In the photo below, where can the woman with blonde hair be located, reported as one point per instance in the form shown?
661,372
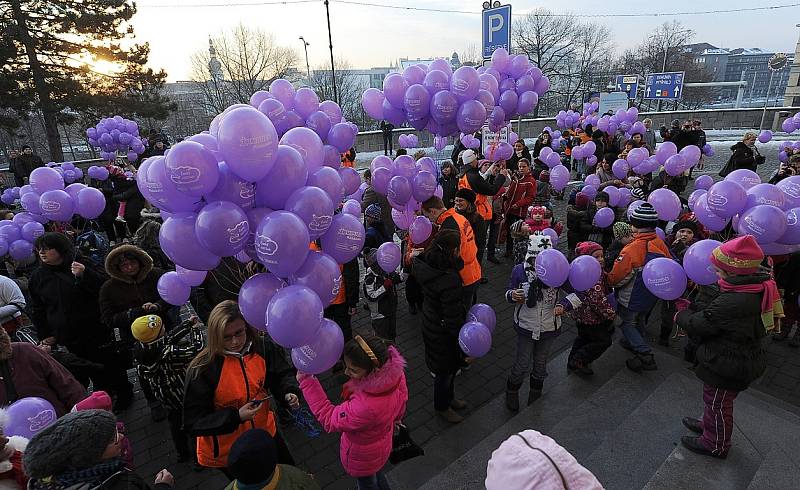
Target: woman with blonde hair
231,386
744,154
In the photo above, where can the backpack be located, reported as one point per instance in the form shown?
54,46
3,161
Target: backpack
93,247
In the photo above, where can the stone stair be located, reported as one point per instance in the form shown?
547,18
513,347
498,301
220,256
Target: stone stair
625,428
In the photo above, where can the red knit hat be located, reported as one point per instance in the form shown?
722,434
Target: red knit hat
581,200
742,255
587,248
98,400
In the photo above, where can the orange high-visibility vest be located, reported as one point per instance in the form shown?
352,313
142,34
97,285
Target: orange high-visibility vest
481,201
471,272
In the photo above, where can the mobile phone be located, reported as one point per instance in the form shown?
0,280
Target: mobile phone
258,401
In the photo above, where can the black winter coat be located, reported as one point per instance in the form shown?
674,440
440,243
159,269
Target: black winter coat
513,162
746,157
67,308
588,229
575,233
729,334
443,315
449,188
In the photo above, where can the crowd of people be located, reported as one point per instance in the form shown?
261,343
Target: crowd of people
95,312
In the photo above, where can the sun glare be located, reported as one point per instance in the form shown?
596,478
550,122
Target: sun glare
105,67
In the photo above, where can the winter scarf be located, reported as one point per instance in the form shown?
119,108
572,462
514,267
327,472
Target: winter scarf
97,473
771,306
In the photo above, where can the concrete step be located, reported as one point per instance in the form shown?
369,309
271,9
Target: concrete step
778,470
468,468
644,439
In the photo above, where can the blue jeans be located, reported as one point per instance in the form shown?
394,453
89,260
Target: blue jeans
531,358
633,329
373,482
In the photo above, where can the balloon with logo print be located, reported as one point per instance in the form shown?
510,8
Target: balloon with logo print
281,242
321,274
665,278
697,262
323,352
475,339
28,416
254,296
345,238
482,313
313,207
552,268
293,316
222,228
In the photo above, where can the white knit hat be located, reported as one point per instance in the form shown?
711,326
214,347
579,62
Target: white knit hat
469,156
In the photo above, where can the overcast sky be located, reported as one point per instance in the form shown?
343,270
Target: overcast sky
373,36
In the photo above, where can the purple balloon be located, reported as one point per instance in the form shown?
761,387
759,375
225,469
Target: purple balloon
306,102
233,188
470,116
323,352
420,229
308,144
286,176
404,166
423,186
790,187
344,240
526,102
590,191
254,296
380,180
192,168
665,150
665,278
31,231
321,274
89,203
281,242
666,203
329,181
552,267
56,205
604,217
675,165
613,195
695,195
559,177
703,182
332,110
389,257
342,137
320,123
10,232
697,262
20,250
792,234
443,107
293,316
744,177
314,207
584,272
45,179
350,179
172,289
402,218
190,277
248,141
394,89
28,416
726,198
372,101
707,217
416,101
352,207
475,339
399,190
465,83
484,314
765,136
222,228
179,242
436,81
765,194
766,223
508,102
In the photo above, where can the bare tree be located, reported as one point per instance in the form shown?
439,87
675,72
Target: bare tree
238,63
471,55
349,86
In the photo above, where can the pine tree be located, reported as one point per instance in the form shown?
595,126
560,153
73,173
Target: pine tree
53,46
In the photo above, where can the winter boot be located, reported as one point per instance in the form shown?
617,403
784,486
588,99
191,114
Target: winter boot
693,424
694,445
450,416
536,390
642,362
512,396
579,367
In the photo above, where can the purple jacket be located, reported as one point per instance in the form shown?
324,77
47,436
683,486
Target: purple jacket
367,416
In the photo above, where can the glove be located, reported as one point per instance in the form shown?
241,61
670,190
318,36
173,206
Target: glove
387,283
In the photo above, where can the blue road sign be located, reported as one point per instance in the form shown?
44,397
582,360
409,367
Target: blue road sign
496,30
628,84
664,86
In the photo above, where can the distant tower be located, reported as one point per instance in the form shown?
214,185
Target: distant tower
214,66
455,62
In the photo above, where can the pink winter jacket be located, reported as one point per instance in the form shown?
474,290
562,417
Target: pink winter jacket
367,416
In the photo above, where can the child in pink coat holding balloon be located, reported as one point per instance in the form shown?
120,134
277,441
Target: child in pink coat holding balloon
374,401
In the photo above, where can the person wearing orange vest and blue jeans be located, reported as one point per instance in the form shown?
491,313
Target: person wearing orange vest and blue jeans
233,385
473,180
449,219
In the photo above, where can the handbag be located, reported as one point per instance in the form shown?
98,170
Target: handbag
727,168
403,447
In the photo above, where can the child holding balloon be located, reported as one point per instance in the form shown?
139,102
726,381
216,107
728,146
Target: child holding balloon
535,323
380,291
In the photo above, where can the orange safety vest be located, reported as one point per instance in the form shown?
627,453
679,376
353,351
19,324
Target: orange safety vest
481,201
341,296
471,272
241,380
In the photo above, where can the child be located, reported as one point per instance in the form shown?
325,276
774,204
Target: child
593,314
379,287
253,462
375,229
682,237
543,190
100,400
162,361
730,331
603,236
623,235
575,214
374,403
534,321
12,475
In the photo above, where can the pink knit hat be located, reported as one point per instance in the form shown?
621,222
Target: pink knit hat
521,463
98,400
742,255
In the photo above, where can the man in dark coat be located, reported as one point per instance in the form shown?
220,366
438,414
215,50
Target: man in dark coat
387,128
25,164
13,155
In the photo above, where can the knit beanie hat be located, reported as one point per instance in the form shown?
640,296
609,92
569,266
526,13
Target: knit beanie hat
75,441
253,457
544,176
374,211
530,460
621,230
637,193
742,255
587,248
467,194
581,200
468,156
681,225
516,227
644,216
99,400
147,328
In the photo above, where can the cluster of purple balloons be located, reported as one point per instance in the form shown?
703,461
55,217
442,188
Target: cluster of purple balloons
408,141
624,120
97,173
791,124
287,108
116,134
260,189
782,155
475,336
405,183
553,269
446,102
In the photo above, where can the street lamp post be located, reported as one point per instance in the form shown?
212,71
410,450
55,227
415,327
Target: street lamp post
330,46
305,47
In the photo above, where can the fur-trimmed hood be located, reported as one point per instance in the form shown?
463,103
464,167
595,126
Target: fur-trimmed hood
114,257
383,379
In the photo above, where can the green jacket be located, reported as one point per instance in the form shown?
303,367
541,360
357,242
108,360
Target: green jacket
285,477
